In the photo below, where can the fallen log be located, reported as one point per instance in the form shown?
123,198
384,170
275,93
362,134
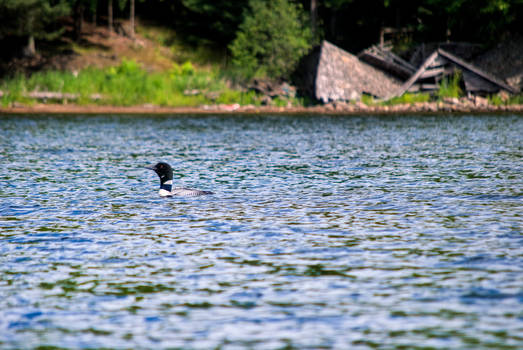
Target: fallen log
50,95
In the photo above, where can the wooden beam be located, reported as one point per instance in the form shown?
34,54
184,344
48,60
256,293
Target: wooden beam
464,65
428,87
440,58
430,73
388,66
415,76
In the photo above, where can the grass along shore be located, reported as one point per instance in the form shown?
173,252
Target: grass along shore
124,85
128,84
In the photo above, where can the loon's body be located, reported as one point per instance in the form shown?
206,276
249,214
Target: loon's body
165,173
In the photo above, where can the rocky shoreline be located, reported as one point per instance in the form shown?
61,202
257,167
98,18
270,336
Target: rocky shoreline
448,106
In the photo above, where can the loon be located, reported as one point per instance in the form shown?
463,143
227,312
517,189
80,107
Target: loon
165,172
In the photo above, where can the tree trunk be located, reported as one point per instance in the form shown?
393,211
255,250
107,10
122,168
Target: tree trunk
314,17
30,49
110,15
94,9
131,31
78,19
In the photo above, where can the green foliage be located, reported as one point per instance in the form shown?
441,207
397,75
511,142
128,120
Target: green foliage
516,100
180,51
409,98
187,68
31,17
367,99
272,38
211,19
500,100
127,84
496,100
450,87
481,21
236,96
280,102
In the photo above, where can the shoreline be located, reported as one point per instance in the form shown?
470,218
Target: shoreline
328,109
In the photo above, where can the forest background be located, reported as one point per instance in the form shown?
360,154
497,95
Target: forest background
218,46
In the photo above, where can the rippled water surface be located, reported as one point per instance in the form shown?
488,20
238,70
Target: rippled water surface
324,233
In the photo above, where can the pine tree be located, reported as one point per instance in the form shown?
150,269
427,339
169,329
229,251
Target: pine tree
31,19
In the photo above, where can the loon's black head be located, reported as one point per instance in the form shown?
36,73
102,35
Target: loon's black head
163,170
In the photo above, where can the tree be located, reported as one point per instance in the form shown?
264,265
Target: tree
121,6
271,40
78,13
213,20
78,7
110,16
131,19
472,20
33,19
314,17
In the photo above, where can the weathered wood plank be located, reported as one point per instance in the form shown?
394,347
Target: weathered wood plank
388,66
51,95
415,76
388,61
474,83
423,87
428,87
464,65
432,72
441,62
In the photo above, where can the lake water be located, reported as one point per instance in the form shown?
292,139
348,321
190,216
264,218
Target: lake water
325,232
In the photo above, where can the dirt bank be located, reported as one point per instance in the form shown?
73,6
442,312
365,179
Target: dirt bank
450,106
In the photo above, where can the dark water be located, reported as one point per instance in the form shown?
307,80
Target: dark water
324,233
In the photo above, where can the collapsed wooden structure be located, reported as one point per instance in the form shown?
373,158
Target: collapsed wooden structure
333,74
386,60
443,64
340,76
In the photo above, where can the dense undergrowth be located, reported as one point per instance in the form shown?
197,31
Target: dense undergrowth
128,84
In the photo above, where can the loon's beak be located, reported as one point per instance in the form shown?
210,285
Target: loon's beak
150,167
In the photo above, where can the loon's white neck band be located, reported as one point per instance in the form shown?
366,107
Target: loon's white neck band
167,185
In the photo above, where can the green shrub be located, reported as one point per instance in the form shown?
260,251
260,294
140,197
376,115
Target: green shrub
516,100
187,68
497,100
408,98
271,40
280,102
450,87
129,68
367,99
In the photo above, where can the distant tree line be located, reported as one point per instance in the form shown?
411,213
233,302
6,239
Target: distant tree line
269,36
